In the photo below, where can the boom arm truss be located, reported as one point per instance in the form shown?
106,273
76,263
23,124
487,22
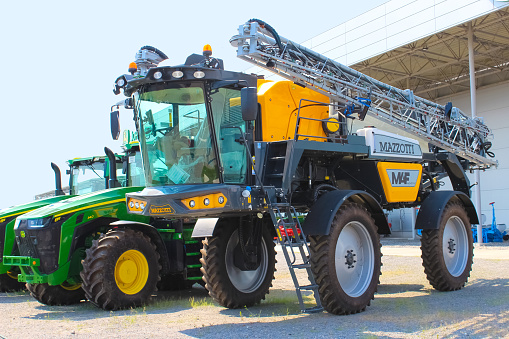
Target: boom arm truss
441,125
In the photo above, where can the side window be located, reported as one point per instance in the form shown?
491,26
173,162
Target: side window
227,121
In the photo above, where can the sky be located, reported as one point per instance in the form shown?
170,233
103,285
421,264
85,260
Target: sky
59,60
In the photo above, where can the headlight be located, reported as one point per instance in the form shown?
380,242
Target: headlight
35,223
135,205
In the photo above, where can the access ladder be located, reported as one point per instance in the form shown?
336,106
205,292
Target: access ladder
443,126
284,216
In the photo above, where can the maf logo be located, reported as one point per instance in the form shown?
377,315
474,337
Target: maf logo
403,178
164,209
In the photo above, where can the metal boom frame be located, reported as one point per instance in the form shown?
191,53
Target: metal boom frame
441,125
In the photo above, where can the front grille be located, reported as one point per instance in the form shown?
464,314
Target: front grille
42,243
3,227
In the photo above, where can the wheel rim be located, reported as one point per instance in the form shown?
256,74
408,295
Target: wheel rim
245,281
70,287
12,275
131,272
455,246
354,259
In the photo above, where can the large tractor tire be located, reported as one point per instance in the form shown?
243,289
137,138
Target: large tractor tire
9,282
447,252
230,286
346,263
120,270
59,295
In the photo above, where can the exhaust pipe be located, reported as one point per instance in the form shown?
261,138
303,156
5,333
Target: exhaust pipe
58,180
113,182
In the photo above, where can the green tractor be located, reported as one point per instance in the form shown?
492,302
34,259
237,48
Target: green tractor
80,182
51,240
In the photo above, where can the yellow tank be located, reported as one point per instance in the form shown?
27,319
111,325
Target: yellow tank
279,101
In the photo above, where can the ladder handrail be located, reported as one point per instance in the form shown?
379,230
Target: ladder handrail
441,125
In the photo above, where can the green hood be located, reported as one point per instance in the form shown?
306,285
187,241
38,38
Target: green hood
82,202
23,208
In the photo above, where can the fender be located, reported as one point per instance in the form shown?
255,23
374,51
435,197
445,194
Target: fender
153,234
433,206
319,219
204,227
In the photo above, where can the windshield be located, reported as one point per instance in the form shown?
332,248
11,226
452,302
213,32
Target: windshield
135,172
175,136
86,178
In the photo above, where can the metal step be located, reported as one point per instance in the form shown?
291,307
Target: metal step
276,212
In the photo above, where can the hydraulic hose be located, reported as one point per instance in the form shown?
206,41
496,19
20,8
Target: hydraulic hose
155,50
271,31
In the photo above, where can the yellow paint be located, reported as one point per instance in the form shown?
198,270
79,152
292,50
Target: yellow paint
131,272
398,194
90,217
57,219
17,213
22,233
279,101
200,201
131,205
69,287
90,206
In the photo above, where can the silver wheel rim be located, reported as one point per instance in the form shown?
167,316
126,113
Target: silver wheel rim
354,259
455,246
245,281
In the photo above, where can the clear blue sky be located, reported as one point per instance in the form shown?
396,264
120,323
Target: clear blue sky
59,60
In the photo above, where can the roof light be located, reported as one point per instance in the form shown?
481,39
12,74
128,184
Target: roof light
177,74
206,201
199,74
121,82
158,75
192,204
220,199
207,50
133,67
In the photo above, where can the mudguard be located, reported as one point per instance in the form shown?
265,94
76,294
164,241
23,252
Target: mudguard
433,206
319,219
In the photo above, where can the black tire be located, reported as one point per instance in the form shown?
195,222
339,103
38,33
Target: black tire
174,282
350,290
59,295
228,285
9,282
447,253
114,255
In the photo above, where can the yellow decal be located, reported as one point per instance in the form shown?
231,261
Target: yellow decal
400,181
90,217
165,209
3,220
57,219
22,233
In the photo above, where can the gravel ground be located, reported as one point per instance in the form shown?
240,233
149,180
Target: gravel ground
406,306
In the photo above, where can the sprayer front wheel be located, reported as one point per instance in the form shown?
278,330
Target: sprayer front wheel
230,286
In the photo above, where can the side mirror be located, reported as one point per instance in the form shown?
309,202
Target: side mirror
249,103
115,124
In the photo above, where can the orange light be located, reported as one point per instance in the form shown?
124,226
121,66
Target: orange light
133,67
207,50
34,263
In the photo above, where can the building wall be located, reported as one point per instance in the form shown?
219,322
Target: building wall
493,106
393,24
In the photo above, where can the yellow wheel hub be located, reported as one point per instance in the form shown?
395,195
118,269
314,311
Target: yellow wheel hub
131,272
70,287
